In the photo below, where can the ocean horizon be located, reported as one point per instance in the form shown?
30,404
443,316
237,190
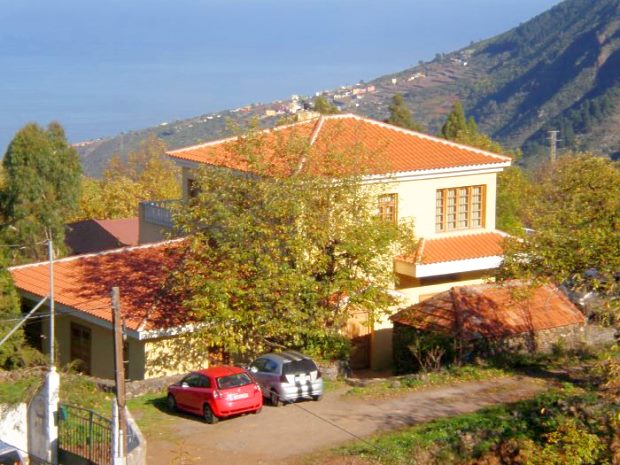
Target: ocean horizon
109,67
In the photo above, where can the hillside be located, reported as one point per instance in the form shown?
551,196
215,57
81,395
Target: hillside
560,70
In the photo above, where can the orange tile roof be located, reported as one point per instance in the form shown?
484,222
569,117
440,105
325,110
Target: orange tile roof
454,248
84,283
384,148
492,311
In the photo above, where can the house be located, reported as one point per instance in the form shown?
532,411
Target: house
447,189
491,317
91,236
157,328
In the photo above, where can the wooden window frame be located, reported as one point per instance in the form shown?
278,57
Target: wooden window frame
441,220
384,205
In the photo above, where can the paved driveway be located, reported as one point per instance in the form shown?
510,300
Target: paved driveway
281,435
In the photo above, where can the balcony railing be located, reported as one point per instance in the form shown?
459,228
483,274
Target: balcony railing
159,212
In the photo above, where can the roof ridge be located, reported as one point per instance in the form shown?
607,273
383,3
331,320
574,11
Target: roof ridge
421,135
96,254
233,138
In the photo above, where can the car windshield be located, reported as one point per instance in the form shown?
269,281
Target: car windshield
233,381
298,366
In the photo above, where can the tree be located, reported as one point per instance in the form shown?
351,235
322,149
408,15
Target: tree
41,191
573,213
401,116
11,354
321,105
276,256
146,175
512,184
459,128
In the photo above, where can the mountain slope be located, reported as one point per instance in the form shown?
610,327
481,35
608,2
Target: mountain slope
560,70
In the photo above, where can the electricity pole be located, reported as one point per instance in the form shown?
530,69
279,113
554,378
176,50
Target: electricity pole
553,143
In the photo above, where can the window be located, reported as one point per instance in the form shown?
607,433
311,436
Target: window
80,347
193,380
388,207
459,208
192,188
233,381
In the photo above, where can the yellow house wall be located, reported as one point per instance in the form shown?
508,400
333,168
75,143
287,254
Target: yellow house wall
174,355
416,199
101,349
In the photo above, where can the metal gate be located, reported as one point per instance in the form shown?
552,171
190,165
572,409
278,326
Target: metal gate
84,437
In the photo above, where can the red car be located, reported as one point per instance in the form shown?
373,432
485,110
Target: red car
216,392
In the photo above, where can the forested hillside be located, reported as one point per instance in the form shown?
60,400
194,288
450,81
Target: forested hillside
560,70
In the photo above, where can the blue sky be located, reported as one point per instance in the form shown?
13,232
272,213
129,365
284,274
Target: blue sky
108,66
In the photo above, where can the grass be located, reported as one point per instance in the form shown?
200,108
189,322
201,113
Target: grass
151,413
19,390
78,390
409,383
474,435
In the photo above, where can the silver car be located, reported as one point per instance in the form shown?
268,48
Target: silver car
287,376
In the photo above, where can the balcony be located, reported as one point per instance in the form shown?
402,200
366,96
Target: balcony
158,212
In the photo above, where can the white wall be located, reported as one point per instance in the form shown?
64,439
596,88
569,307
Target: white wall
14,425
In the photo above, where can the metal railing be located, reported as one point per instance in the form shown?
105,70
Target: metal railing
84,433
158,212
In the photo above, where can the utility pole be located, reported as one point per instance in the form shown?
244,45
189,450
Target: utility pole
553,143
52,384
50,251
119,375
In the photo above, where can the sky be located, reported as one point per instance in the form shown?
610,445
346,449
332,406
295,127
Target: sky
102,67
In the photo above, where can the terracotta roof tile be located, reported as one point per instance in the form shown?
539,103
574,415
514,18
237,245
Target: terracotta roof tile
388,149
492,311
84,283
454,248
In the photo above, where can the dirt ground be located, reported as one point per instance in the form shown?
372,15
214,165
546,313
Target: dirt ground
283,435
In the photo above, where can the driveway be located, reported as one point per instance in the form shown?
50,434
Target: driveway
281,435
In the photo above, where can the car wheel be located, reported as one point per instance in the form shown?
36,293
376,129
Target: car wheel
258,410
172,404
208,415
274,397
317,397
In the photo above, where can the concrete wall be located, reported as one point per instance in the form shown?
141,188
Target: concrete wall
173,355
150,233
14,425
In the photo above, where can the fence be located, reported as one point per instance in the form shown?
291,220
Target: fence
84,436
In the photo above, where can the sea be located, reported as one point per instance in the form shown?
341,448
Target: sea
107,66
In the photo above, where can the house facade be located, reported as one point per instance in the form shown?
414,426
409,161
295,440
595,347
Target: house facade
447,189
157,329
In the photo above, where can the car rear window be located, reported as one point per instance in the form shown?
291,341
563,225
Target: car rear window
298,366
233,381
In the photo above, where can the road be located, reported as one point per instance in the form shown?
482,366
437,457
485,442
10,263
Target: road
282,435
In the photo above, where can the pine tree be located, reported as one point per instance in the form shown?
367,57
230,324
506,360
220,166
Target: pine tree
42,188
456,123
401,116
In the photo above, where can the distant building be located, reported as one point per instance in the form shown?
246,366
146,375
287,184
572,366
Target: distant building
91,236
